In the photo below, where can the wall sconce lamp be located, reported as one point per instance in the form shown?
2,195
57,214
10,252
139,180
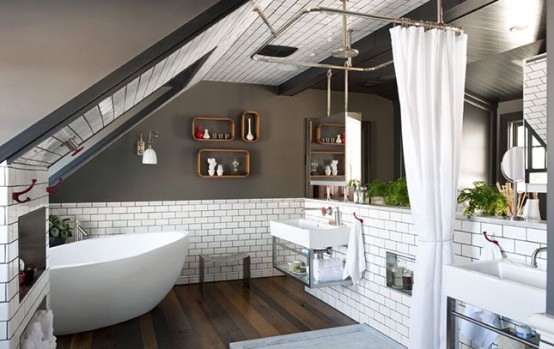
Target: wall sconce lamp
148,154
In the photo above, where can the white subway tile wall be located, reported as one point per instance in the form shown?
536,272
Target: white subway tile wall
534,94
15,315
216,227
392,229
230,226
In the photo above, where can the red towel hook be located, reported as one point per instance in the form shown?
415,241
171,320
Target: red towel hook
489,239
55,188
16,195
358,218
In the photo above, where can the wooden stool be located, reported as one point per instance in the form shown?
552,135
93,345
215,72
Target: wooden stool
224,259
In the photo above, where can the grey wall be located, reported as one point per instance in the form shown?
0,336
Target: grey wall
53,50
277,160
475,159
510,106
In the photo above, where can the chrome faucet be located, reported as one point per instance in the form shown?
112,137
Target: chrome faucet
535,254
328,211
80,233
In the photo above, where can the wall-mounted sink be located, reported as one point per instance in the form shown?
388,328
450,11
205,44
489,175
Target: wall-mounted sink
504,287
310,234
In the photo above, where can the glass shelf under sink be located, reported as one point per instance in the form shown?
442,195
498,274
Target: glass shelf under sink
285,251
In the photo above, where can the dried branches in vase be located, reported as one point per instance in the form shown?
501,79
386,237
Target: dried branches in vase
508,193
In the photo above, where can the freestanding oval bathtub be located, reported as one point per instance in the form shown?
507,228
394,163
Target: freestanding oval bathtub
100,282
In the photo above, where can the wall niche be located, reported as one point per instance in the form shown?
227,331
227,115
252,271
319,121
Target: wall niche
32,248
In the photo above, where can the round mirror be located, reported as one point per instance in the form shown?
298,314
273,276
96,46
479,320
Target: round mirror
513,164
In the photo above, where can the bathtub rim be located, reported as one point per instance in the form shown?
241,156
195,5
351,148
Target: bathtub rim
184,235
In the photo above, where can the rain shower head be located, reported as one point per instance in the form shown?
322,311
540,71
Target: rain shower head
345,52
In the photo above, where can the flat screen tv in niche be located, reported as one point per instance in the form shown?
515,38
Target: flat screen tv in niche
32,245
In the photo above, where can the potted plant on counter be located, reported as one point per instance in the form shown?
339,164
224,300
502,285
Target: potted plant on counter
59,230
376,191
483,198
397,193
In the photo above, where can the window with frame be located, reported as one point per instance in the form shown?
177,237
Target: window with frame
521,135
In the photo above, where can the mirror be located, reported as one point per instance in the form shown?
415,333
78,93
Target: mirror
333,154
353,146
513,164
535,121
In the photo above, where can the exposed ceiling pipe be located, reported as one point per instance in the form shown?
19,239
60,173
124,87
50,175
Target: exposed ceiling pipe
397,20
329,76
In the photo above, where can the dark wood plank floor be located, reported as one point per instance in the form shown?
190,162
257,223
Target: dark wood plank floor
226,312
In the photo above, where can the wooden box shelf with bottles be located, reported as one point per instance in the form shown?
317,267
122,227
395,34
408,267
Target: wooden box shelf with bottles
213,129
330,134
223,163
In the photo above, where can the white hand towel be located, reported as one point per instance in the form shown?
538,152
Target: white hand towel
328,269
480,337
491,251
355,255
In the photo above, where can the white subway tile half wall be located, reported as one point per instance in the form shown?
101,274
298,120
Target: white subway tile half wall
216,227
15,314
230,226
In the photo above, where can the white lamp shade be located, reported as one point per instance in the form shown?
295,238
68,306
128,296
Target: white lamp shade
149,157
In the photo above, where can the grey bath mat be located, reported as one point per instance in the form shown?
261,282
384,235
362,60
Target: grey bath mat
351,337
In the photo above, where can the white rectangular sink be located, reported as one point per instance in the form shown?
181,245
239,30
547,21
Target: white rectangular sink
310,234
504,287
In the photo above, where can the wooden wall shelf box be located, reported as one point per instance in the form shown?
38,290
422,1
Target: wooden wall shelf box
255,126
221,126
225,157
326,130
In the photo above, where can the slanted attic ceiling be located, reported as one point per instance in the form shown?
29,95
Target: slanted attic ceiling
217,45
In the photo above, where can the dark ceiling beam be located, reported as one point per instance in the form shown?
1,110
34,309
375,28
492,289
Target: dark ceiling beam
174,86
378,43
83,102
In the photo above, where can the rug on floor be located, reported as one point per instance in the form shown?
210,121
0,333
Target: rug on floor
350,337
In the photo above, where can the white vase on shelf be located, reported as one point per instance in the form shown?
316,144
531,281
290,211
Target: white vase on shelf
220,170
327,170
250,136
206,134
531,210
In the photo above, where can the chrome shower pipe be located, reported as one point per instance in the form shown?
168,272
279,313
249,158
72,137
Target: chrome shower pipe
396,20
329,75
267,59
266,21
440,18
345,40
276,33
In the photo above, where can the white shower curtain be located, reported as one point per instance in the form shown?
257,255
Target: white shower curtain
430,71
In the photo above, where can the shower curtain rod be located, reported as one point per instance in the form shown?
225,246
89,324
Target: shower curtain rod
396,20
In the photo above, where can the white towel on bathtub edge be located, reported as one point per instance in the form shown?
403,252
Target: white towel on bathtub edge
355,254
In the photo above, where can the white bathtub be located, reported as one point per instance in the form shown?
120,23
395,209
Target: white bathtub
101,282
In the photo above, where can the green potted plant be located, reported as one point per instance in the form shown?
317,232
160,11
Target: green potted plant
376,191
397,193
483,198
59,230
